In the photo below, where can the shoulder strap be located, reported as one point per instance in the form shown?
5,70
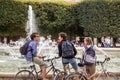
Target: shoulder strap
87,48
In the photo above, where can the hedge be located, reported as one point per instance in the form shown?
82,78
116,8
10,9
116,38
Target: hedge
98,17
13,16
93,18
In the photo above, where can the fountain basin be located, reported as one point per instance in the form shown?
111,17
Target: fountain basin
10,76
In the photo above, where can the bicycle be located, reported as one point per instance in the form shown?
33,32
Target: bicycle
102,74
61,75
30,73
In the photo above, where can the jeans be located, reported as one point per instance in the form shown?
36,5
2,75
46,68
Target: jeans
72,61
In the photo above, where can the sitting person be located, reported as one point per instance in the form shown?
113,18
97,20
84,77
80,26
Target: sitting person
32,54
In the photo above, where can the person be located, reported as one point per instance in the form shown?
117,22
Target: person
33,56
66,60
102,41
11,43
90,69
107,42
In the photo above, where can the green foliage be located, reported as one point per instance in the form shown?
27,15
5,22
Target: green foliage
97,18
13,17
53,18
93,18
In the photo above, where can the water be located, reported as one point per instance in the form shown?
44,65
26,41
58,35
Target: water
31,23
10,64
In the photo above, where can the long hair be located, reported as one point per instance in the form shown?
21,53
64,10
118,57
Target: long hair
89,40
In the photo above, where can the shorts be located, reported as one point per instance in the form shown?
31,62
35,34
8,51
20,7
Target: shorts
39,62
90,69
72,61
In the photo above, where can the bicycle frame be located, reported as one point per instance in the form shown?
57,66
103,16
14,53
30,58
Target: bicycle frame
52,67
100,72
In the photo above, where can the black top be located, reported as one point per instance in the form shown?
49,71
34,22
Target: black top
60,50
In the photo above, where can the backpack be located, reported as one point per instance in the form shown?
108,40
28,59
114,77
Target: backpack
23,50
67,49
89,58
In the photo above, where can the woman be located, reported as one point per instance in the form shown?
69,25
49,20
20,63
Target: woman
90,69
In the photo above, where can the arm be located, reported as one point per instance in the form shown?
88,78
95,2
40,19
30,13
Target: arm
60,49
101,51
75,51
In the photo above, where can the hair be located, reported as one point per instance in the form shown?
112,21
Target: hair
88,40
63,35
33,35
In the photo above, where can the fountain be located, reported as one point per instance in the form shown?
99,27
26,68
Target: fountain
31,23
30,28
50,51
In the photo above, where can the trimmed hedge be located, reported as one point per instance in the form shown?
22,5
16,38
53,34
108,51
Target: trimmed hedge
13,16
93,18
98,18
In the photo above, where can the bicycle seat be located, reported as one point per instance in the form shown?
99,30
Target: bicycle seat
80,64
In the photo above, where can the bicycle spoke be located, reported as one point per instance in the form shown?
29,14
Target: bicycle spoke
60,76
75,76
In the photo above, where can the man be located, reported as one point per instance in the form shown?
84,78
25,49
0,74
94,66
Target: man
62,37
32,54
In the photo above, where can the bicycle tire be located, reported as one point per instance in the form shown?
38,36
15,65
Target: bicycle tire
73,76
107,76
24,75
60,76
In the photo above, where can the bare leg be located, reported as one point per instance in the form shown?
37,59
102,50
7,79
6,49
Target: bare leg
77,77
65,69
43,72
93,78
76,71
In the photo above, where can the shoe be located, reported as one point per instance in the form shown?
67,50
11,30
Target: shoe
40,79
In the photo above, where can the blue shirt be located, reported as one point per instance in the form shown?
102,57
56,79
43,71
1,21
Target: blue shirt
32,50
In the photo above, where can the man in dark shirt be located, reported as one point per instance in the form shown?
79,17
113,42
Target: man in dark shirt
66,60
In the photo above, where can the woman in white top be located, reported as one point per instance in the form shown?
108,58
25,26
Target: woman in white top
90,69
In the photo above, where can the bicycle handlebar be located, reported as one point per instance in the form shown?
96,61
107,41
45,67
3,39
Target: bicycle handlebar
51,59
101,62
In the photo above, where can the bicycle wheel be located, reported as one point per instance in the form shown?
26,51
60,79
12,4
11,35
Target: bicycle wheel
75,76
24,75
107,76
60,76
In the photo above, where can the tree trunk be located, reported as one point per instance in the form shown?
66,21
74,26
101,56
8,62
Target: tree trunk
95,41
114,42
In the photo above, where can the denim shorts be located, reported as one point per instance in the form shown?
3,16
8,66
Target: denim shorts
72,61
